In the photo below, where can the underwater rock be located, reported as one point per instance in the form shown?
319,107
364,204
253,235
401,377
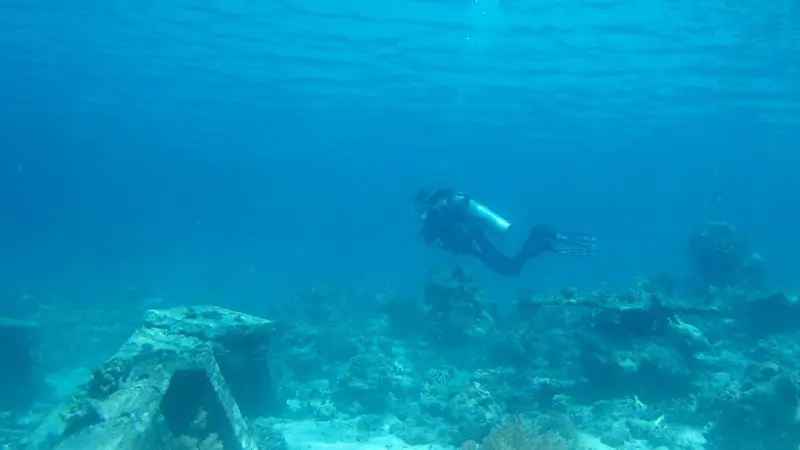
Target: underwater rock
757,413
770,314
636,313
617,436
180,381
18,344
241,347
646,369
458,311
302,349
370,381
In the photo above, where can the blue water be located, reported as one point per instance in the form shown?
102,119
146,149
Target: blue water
231,151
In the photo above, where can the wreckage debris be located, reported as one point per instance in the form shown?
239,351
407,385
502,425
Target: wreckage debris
186,379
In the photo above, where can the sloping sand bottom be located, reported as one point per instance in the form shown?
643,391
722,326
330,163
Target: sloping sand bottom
343,435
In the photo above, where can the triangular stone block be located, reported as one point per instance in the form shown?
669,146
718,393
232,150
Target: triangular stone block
167,388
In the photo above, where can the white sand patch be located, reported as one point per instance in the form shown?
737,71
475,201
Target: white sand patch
589,442
691,438
342,435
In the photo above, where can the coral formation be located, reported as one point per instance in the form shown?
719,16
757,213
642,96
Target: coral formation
518,434
642,367
722,257
646,368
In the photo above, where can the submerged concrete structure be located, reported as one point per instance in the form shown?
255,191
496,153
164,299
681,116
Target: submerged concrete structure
186,379
20,374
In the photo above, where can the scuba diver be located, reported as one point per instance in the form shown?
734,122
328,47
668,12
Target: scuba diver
457,223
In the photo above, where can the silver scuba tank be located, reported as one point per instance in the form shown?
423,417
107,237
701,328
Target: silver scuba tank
487,218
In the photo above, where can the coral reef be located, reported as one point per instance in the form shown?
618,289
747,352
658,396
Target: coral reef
636,368
518,434
645,368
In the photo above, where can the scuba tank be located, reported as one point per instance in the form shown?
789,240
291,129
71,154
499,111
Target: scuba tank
485,217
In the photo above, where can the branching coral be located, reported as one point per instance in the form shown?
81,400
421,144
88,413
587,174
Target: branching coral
518,434
211,442
199,437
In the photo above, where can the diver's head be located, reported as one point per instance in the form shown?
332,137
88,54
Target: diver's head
422,200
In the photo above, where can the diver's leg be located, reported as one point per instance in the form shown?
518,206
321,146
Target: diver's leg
494,259
540,240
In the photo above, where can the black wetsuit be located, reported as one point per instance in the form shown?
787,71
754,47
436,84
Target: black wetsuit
447,223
